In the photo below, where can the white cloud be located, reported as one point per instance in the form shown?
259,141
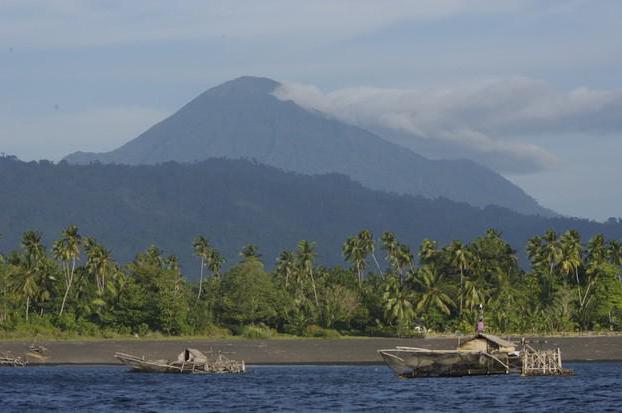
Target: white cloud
488,121
53,136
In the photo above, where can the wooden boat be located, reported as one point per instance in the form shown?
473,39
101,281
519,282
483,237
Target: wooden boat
190,361
479,355
9,360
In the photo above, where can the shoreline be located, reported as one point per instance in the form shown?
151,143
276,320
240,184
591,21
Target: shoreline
299,351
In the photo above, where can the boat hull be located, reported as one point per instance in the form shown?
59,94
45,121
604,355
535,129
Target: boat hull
220,365
434,363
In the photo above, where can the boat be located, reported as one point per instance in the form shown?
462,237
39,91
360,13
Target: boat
481,354
190,361
9,360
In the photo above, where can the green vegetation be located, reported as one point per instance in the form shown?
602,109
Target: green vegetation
76,288
234,202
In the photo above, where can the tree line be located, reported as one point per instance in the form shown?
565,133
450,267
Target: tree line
386,288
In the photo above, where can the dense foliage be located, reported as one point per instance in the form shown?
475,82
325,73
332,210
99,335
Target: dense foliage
129,208
75,287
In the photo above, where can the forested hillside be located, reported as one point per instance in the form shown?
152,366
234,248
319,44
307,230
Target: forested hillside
234,203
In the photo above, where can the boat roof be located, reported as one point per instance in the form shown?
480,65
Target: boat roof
493,339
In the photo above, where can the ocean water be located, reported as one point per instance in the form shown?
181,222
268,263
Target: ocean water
596,387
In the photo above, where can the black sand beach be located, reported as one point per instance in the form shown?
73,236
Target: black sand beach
296,351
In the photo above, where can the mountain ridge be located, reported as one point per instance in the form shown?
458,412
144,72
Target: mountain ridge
237,202
242,119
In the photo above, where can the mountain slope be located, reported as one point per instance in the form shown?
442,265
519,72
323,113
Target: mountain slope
242,119
234,203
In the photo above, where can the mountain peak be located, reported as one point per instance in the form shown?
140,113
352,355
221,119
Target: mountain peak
245,85
242,119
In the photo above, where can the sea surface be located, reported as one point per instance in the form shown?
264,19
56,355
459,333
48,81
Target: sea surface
596,387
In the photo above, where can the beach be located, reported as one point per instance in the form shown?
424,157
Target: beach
293,351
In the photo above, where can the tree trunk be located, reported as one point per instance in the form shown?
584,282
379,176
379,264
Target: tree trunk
62,306
576,274
377,265
27,307
201,280
68,283
317,302
358,271
461,292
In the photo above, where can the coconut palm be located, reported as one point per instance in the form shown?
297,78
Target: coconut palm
202,249
473,294
551,252
30,272
398,303
215,262
427,252
405,259
98,264
353,251
461,258
614,254
429,280
366,238
250,251
286,267
534,251
390,246
67,251
306,255
596,256
571,257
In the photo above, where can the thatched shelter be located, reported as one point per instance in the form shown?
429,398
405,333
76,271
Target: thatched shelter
487,343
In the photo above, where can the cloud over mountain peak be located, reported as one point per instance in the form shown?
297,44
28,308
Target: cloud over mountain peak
496,122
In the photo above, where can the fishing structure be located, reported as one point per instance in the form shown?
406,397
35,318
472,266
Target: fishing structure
481,354
190,361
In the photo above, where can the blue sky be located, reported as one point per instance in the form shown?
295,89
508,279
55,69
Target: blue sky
529,88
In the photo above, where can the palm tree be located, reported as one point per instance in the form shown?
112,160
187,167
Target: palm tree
597,249
571,256
202,249
473,294
404,258
98,263
306,255
353,251
596,257
250,251
552,253
67,250
614,254
28,273
398,303
366,238
389,245
461,258
427,252
433,293
215,262
286,266
534,251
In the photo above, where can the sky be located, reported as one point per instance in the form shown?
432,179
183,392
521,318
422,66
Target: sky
531,89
